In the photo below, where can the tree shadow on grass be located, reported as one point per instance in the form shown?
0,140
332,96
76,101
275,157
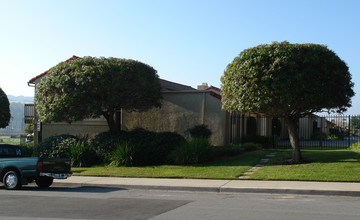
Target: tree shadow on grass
245,159
318,156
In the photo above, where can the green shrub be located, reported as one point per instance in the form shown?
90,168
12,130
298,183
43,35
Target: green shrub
55,146
228,150
336,134
251,146
316,136
169,141
105,143
145,146
355,147
82,154
150,148
29,128
235,149
264,141
67,146
123,155
200,131
195,151
158,148
26,150
333,137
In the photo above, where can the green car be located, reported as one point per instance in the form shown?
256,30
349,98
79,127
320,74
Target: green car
16,170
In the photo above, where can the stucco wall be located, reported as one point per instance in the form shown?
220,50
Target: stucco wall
179,112
90,127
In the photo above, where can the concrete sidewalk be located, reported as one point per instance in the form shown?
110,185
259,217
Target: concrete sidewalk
245,186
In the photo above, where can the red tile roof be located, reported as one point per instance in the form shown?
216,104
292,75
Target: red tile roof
215,92
32,80
214,88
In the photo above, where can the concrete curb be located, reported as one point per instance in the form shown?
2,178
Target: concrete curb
214,189
294,191
219,186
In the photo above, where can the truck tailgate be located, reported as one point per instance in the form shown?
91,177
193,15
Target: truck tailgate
55,165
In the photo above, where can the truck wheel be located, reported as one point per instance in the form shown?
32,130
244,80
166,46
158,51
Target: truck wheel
44,182
12,180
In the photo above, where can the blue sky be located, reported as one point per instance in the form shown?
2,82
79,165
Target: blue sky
186,41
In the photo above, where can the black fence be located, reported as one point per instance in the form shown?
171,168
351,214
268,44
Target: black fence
322,132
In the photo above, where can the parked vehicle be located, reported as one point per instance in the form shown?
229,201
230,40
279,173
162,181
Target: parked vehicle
16,170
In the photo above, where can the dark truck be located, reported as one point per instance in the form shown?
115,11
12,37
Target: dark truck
16,170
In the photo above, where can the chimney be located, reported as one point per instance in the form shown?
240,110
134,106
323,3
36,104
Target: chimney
203,86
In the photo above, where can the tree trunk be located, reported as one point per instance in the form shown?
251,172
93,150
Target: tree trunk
109,116
292,125
118,120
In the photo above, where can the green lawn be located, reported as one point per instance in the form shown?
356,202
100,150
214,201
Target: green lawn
323,165
8,140
230,168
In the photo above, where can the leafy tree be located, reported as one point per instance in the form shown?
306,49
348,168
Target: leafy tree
4,110
29,128
16,124
90,87
355,124
289,81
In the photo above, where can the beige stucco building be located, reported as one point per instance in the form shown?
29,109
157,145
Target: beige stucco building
183,107
180,111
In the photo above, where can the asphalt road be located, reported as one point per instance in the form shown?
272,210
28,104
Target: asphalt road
96,203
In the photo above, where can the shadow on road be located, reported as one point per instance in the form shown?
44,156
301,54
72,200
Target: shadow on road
81,189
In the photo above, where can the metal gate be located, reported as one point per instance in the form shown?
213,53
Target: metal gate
324,132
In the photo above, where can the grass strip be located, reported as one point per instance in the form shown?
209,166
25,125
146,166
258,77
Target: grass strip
225,168
323,165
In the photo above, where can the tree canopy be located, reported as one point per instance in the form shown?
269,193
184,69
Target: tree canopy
289,81
90,87
4,110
